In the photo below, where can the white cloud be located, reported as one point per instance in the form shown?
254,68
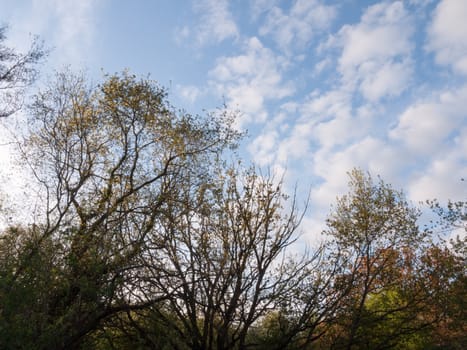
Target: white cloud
335,132
189,93
68,25
247,81
263,147
328,169
259,7
376,52
296,146
369,153
182,34
461,142
389,79
338,131
331,121
216,22
441,179
421,3
324,119
298,26
447,34
427,146
331,131
425,127
435,133
328,118
321,66
333,103
383,32
76,24
312,228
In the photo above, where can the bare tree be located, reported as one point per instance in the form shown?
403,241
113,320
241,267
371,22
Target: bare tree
226,265
17,71
106,160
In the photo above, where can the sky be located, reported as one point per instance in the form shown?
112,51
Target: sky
322,86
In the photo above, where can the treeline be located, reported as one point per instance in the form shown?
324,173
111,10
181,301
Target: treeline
144,237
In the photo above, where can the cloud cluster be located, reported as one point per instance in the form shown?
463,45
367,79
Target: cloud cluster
432,133
419,147
447,34
216,23
376,52
69,26
297,27
250,79
322,90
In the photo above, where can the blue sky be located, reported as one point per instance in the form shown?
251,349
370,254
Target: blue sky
323,86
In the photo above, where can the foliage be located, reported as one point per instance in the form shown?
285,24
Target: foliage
376,230
448,283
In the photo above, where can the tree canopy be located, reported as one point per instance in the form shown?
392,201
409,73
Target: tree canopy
145,236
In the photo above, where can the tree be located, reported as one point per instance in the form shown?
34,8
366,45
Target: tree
140,230
17,71
106,160
376,230
447,281
144,231
24,297
222,250
144,237
446,261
